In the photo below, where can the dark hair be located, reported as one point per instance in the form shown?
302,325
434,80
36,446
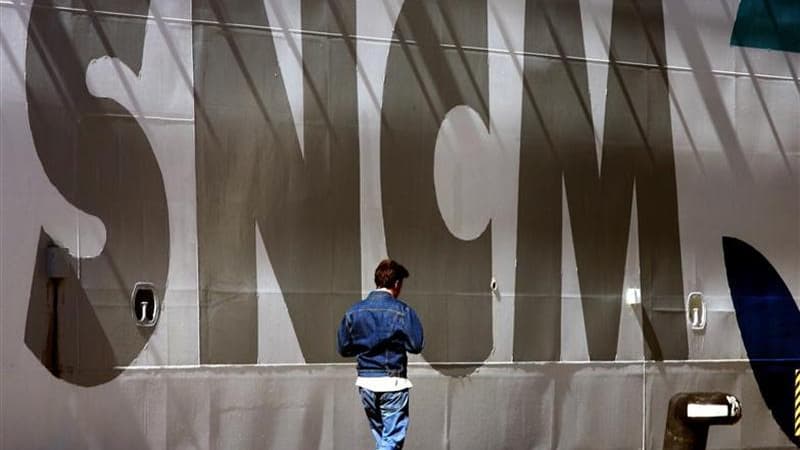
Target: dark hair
388,273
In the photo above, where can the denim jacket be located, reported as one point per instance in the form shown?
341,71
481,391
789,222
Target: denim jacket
379,330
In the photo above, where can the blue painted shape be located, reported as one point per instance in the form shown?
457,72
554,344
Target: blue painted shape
773,24
769,321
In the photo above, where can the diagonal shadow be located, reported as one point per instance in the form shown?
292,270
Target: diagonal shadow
695,52
754,79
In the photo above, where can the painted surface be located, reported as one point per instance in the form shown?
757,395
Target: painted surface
255,159
767,24
769,319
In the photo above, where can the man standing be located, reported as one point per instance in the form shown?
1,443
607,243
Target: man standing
379,330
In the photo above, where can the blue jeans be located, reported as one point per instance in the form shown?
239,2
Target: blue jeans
387,413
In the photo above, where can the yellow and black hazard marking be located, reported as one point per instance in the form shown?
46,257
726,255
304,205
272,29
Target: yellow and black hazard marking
797,402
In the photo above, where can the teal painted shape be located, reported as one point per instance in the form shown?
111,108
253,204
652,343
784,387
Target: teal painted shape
773,24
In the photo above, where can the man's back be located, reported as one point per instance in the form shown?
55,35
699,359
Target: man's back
379,330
